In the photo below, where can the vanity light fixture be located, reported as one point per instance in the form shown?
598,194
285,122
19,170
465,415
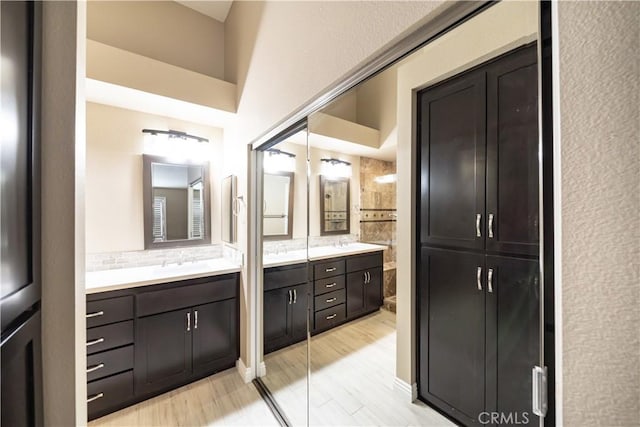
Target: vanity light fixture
279,161
334,168
175,144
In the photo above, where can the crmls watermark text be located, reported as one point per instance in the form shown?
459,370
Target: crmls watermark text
515,418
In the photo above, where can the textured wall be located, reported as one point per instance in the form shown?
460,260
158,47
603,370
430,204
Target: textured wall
599,98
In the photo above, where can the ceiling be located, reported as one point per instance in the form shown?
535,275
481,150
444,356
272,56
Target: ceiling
216,9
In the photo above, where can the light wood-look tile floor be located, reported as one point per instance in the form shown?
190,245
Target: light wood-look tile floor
222,399
352,377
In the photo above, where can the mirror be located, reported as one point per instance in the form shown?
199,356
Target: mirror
229,208
278,205
176,203
334,205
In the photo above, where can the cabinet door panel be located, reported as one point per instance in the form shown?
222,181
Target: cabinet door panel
452,181
276,323
356,301
215,340
163,350
373,289
299,312
512,154
513,334
452,327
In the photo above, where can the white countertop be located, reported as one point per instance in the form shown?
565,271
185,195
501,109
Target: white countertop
110,280
319,253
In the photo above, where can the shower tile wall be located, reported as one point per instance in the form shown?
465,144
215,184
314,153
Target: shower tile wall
377,218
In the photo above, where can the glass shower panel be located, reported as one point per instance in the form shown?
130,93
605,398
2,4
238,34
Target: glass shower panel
286,286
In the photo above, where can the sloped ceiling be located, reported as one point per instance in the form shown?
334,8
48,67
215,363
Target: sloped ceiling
217,9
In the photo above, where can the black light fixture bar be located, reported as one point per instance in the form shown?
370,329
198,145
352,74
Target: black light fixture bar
174,134
335,161
284,153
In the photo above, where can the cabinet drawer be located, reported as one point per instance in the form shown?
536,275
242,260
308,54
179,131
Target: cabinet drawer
186,296
110,362
329,300
329,284
110,336
363,262
330,317
328,269
108,392
109,310
280,277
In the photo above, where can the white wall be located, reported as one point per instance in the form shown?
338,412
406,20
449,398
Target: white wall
115,144
62,197
598,273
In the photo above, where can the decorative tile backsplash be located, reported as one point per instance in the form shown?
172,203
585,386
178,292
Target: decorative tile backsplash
272,246
129,259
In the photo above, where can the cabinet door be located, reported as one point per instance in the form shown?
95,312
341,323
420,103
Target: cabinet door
276,322
373,289
299,312
163,350
513,334
451,131
356,301
452,328
512,154
215,336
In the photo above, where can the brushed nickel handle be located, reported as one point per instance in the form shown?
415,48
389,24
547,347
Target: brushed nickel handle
95,368
364,277
195,320
94,342
188,321
290,296
95,397
329,270
478,220
95,314
490,280
368,277
479,278
295,295
330,285
332,316
490,226
331,299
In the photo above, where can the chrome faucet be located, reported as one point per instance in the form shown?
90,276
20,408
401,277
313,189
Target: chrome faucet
180,257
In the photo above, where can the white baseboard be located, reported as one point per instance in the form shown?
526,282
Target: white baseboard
262,369
409,390
245,373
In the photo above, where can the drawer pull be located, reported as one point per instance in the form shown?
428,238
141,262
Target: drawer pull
95,314
332,316
95,368
330,285
331,299
329,270
94,342
95,397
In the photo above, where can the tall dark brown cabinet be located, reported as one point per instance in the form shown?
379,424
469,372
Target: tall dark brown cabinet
478,284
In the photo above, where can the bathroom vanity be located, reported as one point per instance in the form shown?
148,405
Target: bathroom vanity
337,285
151,334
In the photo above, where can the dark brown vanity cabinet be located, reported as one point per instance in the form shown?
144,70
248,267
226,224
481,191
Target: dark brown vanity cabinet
364,284
285,306
177,333
478,275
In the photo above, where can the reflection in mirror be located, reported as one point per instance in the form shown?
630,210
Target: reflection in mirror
278,205
229,208
334,205
176,203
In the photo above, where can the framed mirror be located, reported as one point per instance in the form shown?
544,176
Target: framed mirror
176,203
229,208
278,205
334,206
